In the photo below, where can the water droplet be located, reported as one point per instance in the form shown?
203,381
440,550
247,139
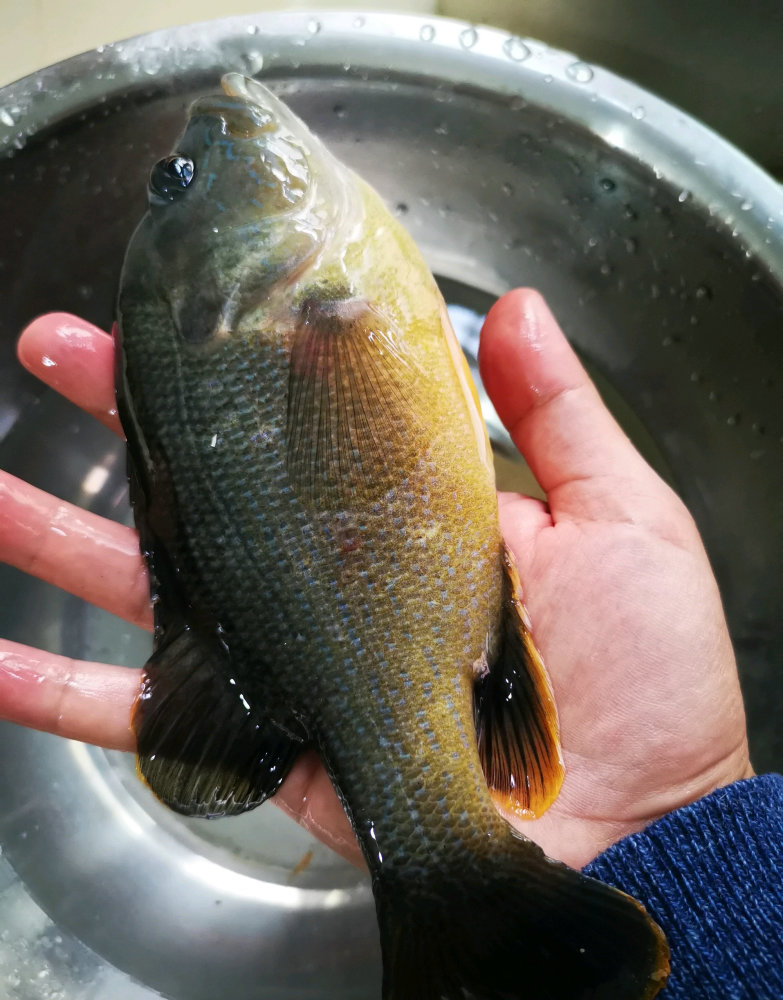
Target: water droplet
695,376
548,78
733,420
313,26
605,270
400,208
253,29
746,206
254,62
638,112
607,184
579,72
758,428
668,341
631,244
8,116
427,33
358,22
704,292
151,61
468,38
655,292
683,196
507,189
516,49
85,291
339,110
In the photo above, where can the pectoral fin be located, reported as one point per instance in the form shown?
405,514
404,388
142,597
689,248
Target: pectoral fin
202,747
516,718
351,401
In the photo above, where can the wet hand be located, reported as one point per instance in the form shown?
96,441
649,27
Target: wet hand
622,600
623,603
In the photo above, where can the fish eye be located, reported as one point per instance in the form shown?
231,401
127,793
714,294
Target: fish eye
170,176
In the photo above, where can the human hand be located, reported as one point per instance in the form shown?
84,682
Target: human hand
622,600
623,603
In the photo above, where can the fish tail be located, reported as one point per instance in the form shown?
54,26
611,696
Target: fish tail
529,930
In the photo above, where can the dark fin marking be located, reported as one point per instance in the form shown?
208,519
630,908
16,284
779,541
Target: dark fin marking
351,402
201,749
515,926
516,718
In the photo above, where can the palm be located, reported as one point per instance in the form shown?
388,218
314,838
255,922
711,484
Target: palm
645,726
623,603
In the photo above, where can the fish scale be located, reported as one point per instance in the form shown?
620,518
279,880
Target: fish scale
313,488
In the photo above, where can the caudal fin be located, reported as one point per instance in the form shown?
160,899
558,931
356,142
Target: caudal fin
534,931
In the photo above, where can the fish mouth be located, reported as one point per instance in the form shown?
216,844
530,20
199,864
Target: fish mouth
246,109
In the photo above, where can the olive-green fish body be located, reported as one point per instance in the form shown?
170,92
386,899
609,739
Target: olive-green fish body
313,486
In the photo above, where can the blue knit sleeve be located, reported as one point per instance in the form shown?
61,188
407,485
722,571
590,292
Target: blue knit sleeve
712,876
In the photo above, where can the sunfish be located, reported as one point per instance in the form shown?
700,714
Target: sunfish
312,483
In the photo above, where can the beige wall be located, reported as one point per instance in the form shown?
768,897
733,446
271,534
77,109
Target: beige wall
36,33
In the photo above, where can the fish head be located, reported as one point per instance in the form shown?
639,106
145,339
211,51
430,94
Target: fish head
239,206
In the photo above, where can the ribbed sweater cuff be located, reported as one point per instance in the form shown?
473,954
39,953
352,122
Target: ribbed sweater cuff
711,874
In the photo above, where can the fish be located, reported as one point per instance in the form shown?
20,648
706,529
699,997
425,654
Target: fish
312,483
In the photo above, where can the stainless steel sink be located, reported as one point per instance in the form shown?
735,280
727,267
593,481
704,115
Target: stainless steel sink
661,250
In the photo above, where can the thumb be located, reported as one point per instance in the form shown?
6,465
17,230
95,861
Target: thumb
580,456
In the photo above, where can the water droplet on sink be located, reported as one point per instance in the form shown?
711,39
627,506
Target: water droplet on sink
638,112
468,38
442,129
151,61
358,22
516,49
426,33
254,62
579,72
7,117
507,189
253,29
683,196
607,184
704,292
746,206
400,208
313,26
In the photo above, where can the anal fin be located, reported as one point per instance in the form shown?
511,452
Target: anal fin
202,749
516,718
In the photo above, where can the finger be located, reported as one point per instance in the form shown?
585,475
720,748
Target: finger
544,396
308,796
93,703
75,358
77,699
89,556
